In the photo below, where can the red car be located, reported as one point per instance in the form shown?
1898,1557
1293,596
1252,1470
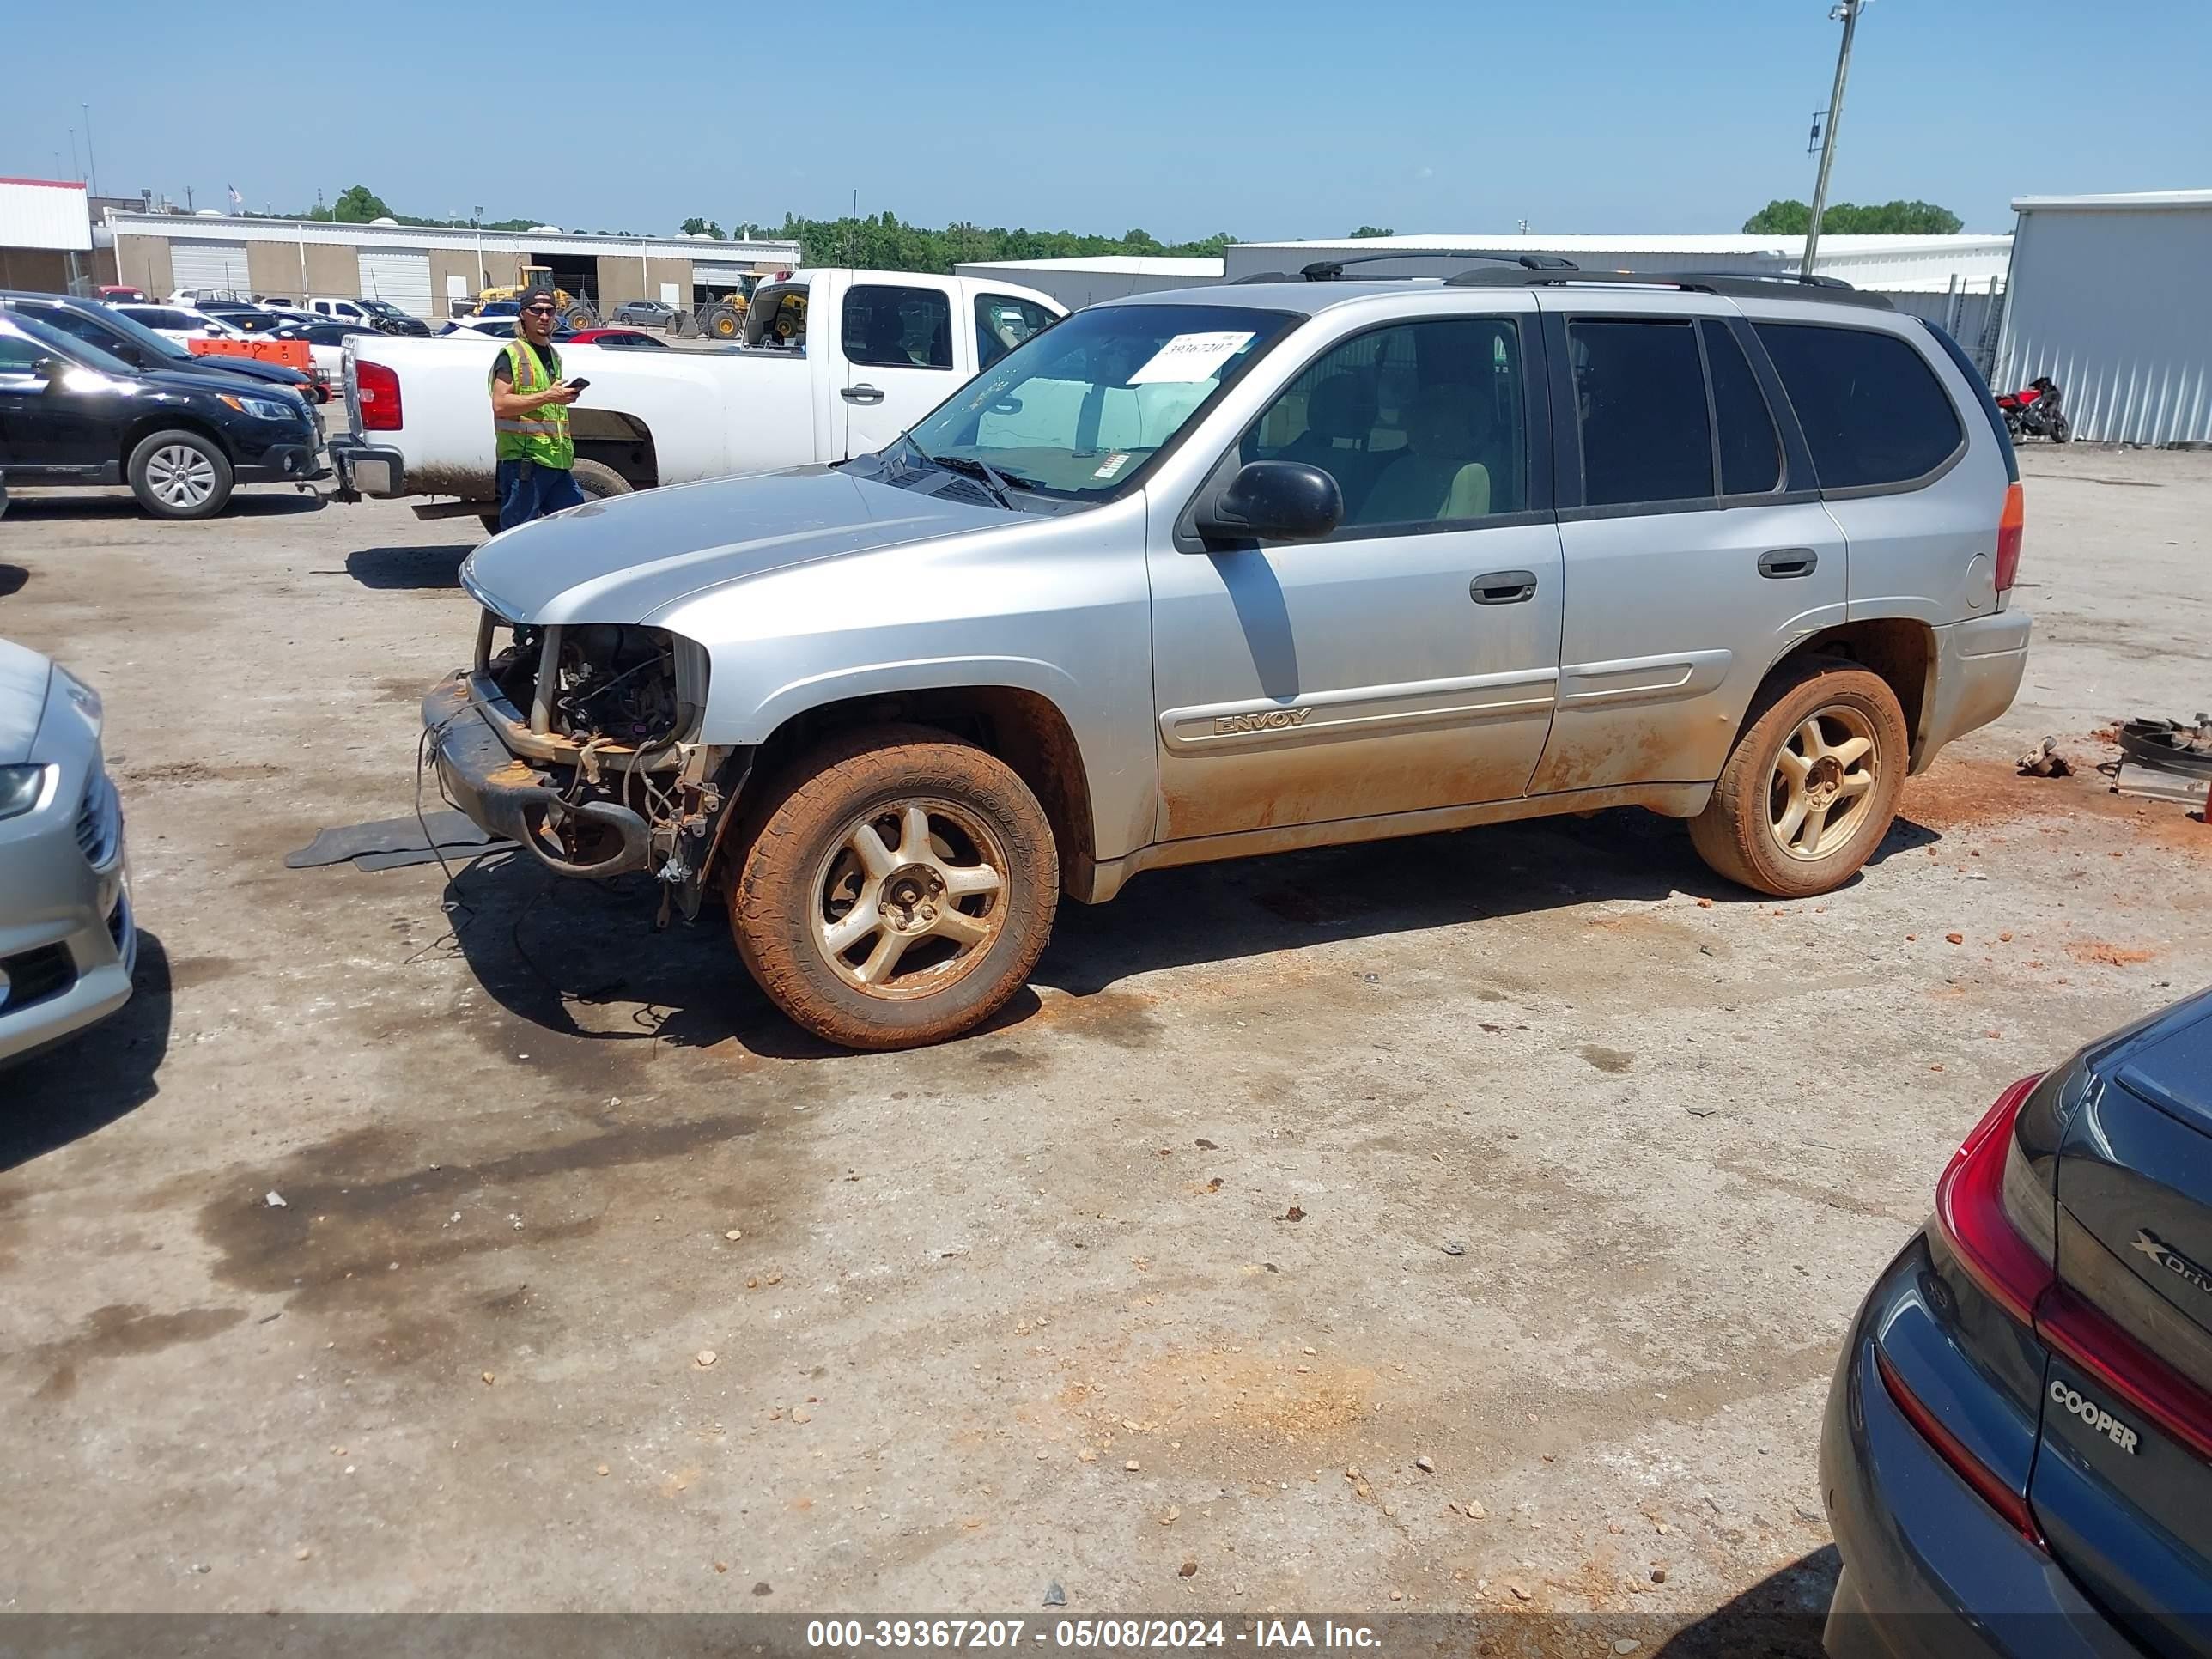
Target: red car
611,337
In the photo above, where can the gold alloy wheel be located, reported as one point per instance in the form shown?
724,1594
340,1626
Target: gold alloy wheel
910,898
1822,779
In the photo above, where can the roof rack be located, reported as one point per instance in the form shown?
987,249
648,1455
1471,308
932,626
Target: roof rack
1330,271
1736,284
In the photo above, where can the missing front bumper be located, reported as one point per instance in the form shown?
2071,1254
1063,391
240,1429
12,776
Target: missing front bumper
513,796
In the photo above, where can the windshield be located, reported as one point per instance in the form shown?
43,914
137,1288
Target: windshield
154,346
382,307
69,348
1080,411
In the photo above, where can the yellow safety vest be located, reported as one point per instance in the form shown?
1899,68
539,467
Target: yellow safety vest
540,435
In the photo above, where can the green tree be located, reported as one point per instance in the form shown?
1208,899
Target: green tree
695,226
1373,230
1793,218
357,205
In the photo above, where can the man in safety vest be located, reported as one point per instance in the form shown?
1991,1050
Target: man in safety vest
529,413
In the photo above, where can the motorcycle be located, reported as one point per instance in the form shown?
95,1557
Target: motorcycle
2036,411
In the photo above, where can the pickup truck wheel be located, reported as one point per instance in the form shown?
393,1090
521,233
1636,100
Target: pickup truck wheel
598,481
179,475
1810,787
899,889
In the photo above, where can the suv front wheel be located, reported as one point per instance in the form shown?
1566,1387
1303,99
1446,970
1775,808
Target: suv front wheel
898,890
1812,785
179,475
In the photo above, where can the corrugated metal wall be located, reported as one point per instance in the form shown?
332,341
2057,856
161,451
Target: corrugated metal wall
34,213
2113,304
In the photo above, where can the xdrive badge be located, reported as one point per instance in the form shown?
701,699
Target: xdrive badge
2188,1273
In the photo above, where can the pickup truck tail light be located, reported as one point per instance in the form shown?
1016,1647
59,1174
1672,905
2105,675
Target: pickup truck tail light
380,408
2009,528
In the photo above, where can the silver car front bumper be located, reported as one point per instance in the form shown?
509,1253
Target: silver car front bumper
67,942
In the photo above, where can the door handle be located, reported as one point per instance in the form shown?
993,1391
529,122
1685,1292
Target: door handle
862,394
1503,587
1782,562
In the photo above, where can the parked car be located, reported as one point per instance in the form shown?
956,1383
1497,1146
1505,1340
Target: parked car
2018,1447
379,314
72,414
326,342
1222,571
657,314
112,291
180,323
617,337
122,336
900,343
67,944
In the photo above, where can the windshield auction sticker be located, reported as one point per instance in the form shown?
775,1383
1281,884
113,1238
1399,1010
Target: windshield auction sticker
1190,357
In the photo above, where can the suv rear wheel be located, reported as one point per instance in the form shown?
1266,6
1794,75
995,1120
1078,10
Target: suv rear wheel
899,889
181,475
1811,786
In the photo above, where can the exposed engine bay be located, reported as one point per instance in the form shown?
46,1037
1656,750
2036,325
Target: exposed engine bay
603,715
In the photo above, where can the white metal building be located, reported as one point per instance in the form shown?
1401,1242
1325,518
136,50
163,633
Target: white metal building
422,268
2109,298
45,232
1085,282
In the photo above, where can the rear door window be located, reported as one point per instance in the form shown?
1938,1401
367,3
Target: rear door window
1640,398
1872,411
898,327
1750,449
1003,322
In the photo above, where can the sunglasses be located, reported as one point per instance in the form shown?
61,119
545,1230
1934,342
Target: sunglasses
538,311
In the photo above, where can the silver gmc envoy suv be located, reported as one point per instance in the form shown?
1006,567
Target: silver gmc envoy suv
1223,571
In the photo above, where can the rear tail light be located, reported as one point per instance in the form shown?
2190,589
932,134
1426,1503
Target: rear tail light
1985,1481
2010,525
2010,1252
1970,1208
378,388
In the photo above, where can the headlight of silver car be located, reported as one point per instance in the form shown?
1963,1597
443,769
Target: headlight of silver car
20,786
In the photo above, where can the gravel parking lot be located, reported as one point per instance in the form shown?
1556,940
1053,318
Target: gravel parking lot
1535,1152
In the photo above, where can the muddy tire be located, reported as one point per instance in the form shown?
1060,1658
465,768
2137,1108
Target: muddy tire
897,891
1812,785
181,475
598,481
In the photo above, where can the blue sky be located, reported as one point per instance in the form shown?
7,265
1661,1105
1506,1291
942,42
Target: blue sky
1288,118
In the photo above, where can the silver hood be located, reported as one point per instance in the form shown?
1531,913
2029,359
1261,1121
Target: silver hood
627,558
23,677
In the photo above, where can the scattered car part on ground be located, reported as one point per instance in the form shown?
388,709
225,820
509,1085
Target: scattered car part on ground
2018,1442
2166,760
67,941
2043,760
1188,577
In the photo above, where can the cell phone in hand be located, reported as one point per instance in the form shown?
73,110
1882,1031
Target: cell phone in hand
578,385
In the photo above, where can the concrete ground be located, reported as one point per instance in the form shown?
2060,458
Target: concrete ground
595,1285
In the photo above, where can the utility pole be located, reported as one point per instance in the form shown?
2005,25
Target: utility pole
1848,10
89,160
76,171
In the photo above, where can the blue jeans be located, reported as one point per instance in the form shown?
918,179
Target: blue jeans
527,491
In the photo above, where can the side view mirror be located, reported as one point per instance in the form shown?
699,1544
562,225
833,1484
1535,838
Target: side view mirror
50,370
212,330
1275,502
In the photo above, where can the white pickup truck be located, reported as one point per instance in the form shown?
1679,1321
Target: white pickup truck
836,363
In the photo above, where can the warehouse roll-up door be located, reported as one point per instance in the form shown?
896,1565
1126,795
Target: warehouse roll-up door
402,278
210,268
721,276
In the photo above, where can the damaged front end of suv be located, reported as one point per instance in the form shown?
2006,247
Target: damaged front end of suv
580,743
